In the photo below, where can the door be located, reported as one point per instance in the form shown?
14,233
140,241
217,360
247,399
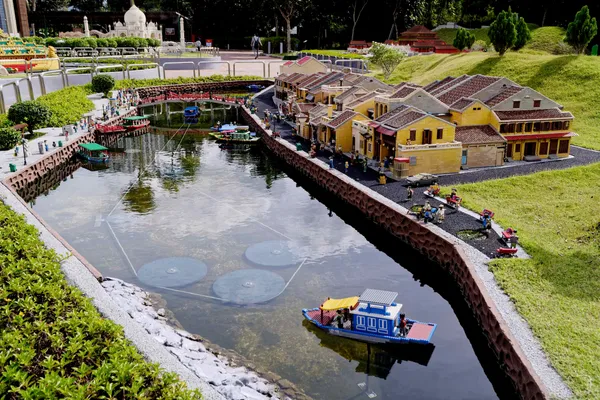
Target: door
426,136
360,323
553,146
530,148
383,326
463,160
509,148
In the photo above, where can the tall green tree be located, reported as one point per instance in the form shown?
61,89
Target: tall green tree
290,10
386,57
581,31
463,39
523,32
502,32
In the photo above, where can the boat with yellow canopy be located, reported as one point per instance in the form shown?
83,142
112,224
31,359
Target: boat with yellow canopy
372,317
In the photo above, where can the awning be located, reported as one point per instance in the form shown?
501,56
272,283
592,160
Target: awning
310,97
385,131
540,136
336,304
402,159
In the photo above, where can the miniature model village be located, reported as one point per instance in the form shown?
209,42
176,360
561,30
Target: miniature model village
448,125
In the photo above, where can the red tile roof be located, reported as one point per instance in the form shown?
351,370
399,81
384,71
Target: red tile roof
503,95
294,77
305,107
402,92
405,84
442,88
467,88
478,134
309,79
461,104
419,29
347,94
304,60
436,84
341,119
325,79
288,63
528,115
404,118
362,99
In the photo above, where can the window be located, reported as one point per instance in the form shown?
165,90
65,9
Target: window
510,128
563,146
536,127
528,127
516,104
440,133
543,148
566,125
360,323
371,324
546,126
537,103
383,326
413,135
503,128
518,148
412,160
519,127
369,147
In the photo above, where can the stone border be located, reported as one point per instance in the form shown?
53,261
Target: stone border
431,241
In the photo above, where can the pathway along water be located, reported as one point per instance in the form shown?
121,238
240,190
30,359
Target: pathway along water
211,205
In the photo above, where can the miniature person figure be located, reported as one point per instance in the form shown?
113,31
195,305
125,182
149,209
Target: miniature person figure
54,144
386,164
346,166
331,165
440,214
46,145
427,206
66,136
16,150
408,142
352,158
409,193
453,196
365,164
339,318
402,325
486,221
514,240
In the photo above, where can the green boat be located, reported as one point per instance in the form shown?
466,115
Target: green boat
93,152
235,137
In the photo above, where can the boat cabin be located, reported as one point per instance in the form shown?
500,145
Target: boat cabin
376,312
191,112
136,122
93,152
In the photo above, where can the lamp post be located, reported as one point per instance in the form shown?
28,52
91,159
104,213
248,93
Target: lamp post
25,148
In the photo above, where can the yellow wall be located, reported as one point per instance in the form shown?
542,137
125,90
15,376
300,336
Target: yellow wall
364,107
343,134
430,123
437,161
310,67
521,153
473,117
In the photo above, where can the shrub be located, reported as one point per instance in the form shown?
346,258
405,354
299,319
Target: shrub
9,138
479,45
111,42
53,339
103,83
31,112
140,83
67,105
463,40
102,42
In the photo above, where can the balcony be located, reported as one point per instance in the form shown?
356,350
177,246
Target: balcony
434,146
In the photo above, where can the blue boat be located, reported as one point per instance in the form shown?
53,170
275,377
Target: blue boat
374,317
190,115
255,88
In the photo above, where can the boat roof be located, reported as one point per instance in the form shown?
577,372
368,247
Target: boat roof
365,309
378,297
135,118
191,108
336,304
93,146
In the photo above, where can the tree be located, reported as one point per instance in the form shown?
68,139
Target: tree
31,112
290,9
581,31
357,8
103,83
386,57
523,32
9,138
463,40
502,32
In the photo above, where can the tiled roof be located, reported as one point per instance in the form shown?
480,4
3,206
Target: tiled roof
477,134
304,60
503,95
403,84
448,85
341,119
354,78
291,77
382,118
318,110
325,79
524,115
435,84
461,104
402,92
305,107
362,99
347,94
467,88
419,29
308,79
404,118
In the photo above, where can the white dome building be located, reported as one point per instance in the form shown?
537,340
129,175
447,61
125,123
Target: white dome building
135,25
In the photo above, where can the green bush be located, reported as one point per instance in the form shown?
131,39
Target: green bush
140,83
31,112
9,138
112,42
102,42
54,342
67,105
103,84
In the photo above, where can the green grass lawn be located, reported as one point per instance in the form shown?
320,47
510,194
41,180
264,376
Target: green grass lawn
546,39
448,35
573,81
336,53
558,290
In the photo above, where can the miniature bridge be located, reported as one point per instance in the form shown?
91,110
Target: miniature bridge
172,97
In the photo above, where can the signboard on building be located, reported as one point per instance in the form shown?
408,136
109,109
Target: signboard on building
169,31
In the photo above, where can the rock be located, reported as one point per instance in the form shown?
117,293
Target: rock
160,339
161,312
284,384
193,346
183,333
252,394
262,387
173,339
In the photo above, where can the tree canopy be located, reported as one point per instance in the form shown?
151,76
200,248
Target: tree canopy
581,31
503,33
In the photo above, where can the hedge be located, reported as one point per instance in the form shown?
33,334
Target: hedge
54,342
67,105
140,83
102,42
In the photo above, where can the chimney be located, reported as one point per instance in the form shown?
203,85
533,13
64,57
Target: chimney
330,111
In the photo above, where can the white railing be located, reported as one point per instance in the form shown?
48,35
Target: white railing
434,146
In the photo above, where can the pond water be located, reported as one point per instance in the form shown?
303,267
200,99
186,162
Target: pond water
167,196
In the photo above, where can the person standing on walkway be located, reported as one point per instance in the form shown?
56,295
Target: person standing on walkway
256,44
365,164
331,164
346,166
198,45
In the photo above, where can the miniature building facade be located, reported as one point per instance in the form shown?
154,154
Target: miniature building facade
306,65
463,122
377,313
135,25
423,40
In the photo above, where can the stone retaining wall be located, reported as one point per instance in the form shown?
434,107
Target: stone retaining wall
214,87
37,170
429,242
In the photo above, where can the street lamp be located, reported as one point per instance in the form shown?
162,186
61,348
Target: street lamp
24,142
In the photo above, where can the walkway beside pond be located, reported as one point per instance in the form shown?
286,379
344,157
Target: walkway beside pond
459,224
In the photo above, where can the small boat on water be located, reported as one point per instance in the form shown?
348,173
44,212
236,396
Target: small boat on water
190,114
103,129
374,317
229,127
134,123
93,152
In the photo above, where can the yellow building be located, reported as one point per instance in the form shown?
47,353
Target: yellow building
306,65
339,128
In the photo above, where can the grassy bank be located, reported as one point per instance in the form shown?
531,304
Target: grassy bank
55,344
336,53
558,290
140,83
573,81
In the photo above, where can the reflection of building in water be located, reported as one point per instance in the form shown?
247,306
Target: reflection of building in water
135,152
